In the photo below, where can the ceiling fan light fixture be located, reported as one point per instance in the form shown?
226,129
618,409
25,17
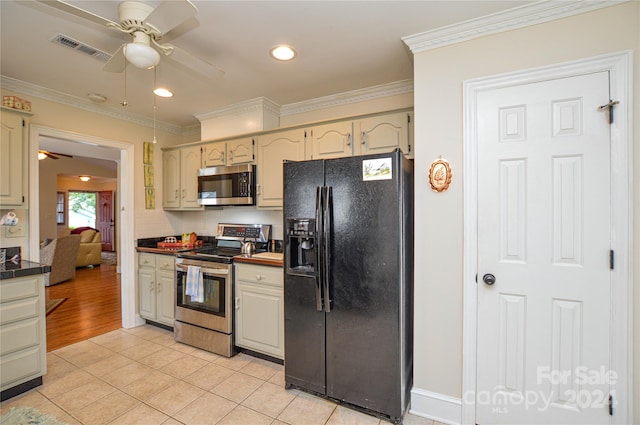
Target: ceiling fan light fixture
162,92
41,155
141,55
85,178
282,53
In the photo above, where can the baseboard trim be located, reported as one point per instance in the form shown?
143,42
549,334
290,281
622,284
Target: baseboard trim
436,406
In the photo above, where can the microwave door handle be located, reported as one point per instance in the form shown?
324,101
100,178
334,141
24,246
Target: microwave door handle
318,231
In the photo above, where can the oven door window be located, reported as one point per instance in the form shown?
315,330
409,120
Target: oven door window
214,294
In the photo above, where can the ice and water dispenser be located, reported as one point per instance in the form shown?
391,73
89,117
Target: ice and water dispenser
301,247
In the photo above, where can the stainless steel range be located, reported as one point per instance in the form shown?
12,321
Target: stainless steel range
204,288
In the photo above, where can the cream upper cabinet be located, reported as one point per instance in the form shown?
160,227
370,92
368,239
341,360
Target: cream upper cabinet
180,178
240,151
12,161
273,149
232,152
333,140
384,133
214,154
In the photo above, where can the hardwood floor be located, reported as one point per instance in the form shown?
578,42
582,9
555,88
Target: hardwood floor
93,306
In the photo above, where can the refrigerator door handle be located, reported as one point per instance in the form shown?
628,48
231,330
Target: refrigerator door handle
326,212
318,230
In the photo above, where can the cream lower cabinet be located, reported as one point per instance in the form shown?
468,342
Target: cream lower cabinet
273,149
156,281
259,305
23,336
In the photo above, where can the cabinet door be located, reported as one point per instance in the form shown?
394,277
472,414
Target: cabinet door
384,133
273,149
240,151
165,297
331,140
214,154
260,319
171,179
189,165
147,288
11,145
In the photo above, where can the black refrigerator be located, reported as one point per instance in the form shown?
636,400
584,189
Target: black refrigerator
348,284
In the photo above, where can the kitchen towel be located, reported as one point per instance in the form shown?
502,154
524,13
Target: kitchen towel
194,284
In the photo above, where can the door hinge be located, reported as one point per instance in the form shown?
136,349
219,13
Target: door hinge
611,259
610,405
609,106
408,118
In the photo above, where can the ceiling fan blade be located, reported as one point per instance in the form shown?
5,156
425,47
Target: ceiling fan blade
117,62
171,13
76,11
184,59
61,154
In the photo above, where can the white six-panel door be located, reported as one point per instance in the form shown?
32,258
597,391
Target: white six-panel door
543,335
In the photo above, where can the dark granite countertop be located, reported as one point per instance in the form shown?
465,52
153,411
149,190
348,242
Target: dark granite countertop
11,269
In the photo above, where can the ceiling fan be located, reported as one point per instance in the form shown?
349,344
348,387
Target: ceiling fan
42,154
147,26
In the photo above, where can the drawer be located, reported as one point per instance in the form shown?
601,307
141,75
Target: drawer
146,260
20,335
15,289
262,275
166,262
19,310
20,367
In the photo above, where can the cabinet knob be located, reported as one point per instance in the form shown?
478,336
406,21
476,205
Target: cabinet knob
258,277
152,286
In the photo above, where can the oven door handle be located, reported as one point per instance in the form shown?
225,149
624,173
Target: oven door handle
204,270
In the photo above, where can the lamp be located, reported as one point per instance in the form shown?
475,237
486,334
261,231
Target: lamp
141,55
85,178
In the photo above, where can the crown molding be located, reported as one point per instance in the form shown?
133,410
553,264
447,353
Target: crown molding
257,104
349,97
29,89
519,17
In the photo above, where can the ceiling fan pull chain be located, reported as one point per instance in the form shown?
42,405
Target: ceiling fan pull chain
124,102
155,86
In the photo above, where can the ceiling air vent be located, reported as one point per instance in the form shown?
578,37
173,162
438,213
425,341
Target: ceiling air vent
69,42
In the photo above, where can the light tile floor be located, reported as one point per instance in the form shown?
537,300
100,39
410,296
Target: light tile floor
142,376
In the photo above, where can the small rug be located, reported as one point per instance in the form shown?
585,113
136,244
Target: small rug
109,258
54,303
27,416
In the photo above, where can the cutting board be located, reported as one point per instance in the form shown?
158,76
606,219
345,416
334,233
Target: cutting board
270,255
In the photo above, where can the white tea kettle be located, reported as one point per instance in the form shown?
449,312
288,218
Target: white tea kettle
248,248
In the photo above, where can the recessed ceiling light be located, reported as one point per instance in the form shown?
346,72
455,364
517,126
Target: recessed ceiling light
162,92
283,53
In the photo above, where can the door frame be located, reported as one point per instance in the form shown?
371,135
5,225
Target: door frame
620,68
124,203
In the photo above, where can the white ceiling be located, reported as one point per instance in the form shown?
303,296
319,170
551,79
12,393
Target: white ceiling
341,45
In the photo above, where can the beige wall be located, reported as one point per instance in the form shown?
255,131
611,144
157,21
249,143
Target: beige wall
438,78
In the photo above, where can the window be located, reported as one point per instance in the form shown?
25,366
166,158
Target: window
82,209
60,209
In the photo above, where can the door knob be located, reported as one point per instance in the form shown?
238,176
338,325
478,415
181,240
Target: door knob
489,279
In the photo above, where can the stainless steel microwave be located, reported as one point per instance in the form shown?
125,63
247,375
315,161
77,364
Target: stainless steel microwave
230,185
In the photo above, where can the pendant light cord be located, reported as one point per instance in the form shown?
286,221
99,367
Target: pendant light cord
124,102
